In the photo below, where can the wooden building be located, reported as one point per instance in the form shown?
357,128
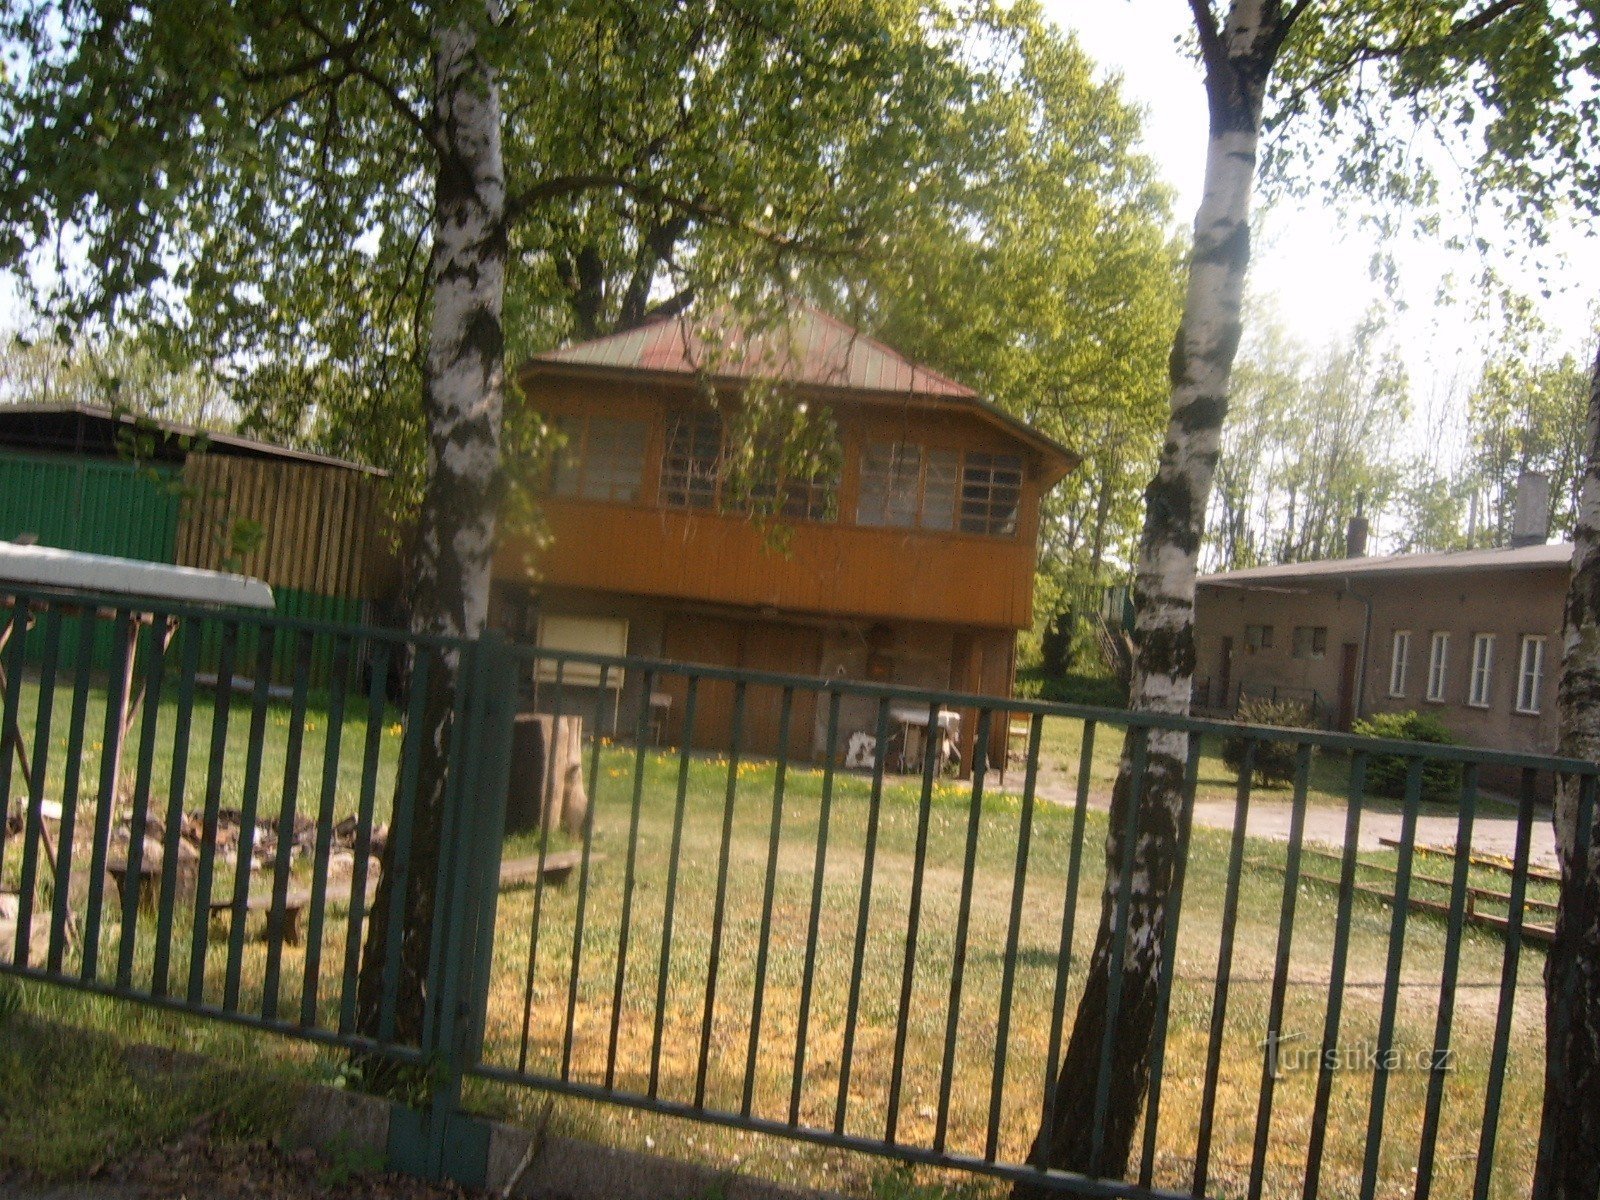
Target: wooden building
908,558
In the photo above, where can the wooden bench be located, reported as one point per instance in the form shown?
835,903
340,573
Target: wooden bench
295,902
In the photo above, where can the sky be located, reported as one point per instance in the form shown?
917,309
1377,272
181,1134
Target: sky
1139,39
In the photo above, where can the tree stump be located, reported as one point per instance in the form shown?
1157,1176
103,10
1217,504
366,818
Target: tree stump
546,775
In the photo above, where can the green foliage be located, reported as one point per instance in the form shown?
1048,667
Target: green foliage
1101,691
1386,773
1274,762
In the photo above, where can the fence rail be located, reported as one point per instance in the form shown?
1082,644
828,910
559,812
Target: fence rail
871,959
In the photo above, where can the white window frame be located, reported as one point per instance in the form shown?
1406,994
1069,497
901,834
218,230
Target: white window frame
1482,670
1530,674
1438,665
1399,653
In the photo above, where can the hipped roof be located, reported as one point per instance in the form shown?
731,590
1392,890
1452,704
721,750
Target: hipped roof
812,349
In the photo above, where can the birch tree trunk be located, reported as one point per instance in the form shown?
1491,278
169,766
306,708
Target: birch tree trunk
463,393
1073,1136
1569,1149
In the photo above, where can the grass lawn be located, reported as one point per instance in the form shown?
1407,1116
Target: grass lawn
949,829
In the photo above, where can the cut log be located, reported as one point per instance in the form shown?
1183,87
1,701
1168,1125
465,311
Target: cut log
546,782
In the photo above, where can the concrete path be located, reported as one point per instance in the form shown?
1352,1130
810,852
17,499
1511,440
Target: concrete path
1494,828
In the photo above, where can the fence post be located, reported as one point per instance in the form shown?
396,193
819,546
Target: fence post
457,1144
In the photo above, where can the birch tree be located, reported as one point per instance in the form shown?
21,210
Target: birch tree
1344,88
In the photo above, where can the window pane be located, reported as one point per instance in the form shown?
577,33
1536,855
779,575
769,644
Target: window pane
692,464
991,488
939,492
565,467
613,460
889,475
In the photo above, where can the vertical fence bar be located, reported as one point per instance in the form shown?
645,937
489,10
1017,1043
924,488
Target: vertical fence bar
63,920
10,738
664,971
629,878
1280,972
1019,881
322,848
1508,988
818,869
919,862
105,808
768,893
402,825
546,809
718,906
863,914
1069,922
583,873
1391,982
372,751
1116,968
221,709
1169,963
132,882
958,967
1336,973
1438,1067
1219,998
33,802
244,859
283,857
172,843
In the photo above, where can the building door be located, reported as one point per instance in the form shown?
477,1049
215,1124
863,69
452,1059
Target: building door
787,650
1224,685
1350,658
692,639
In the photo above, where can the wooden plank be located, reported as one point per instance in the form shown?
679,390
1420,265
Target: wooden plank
1492,861
556,868
1481,893
1544,934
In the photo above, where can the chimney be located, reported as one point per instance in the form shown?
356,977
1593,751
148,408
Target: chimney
1355,533
1530,519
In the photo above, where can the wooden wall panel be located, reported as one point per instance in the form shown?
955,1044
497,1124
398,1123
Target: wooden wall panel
318,523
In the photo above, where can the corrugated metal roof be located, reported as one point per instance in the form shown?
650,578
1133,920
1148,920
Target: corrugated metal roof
811,348
1522,558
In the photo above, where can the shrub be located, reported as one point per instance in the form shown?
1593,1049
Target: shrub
1386,773
1274,759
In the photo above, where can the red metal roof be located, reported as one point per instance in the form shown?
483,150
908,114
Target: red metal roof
811,348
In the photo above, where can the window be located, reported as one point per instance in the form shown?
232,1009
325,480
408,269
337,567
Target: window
1438,655
777,485
907,486
1397,662
991,490
1482,665
600,459
691,466
1257,637
1310,641
1530,675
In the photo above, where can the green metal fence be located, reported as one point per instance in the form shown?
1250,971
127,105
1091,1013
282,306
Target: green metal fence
764,939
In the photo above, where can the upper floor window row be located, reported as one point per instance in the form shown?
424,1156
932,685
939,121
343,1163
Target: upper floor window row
903,484
910,486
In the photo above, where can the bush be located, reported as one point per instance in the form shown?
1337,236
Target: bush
1101,691
1386,773
1274,760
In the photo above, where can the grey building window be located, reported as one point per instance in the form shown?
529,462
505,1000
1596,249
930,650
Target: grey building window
1398,660
1310,641
1438,661
1530,674
1257,637
1482,669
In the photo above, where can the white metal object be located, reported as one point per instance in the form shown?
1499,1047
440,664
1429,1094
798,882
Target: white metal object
48,567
